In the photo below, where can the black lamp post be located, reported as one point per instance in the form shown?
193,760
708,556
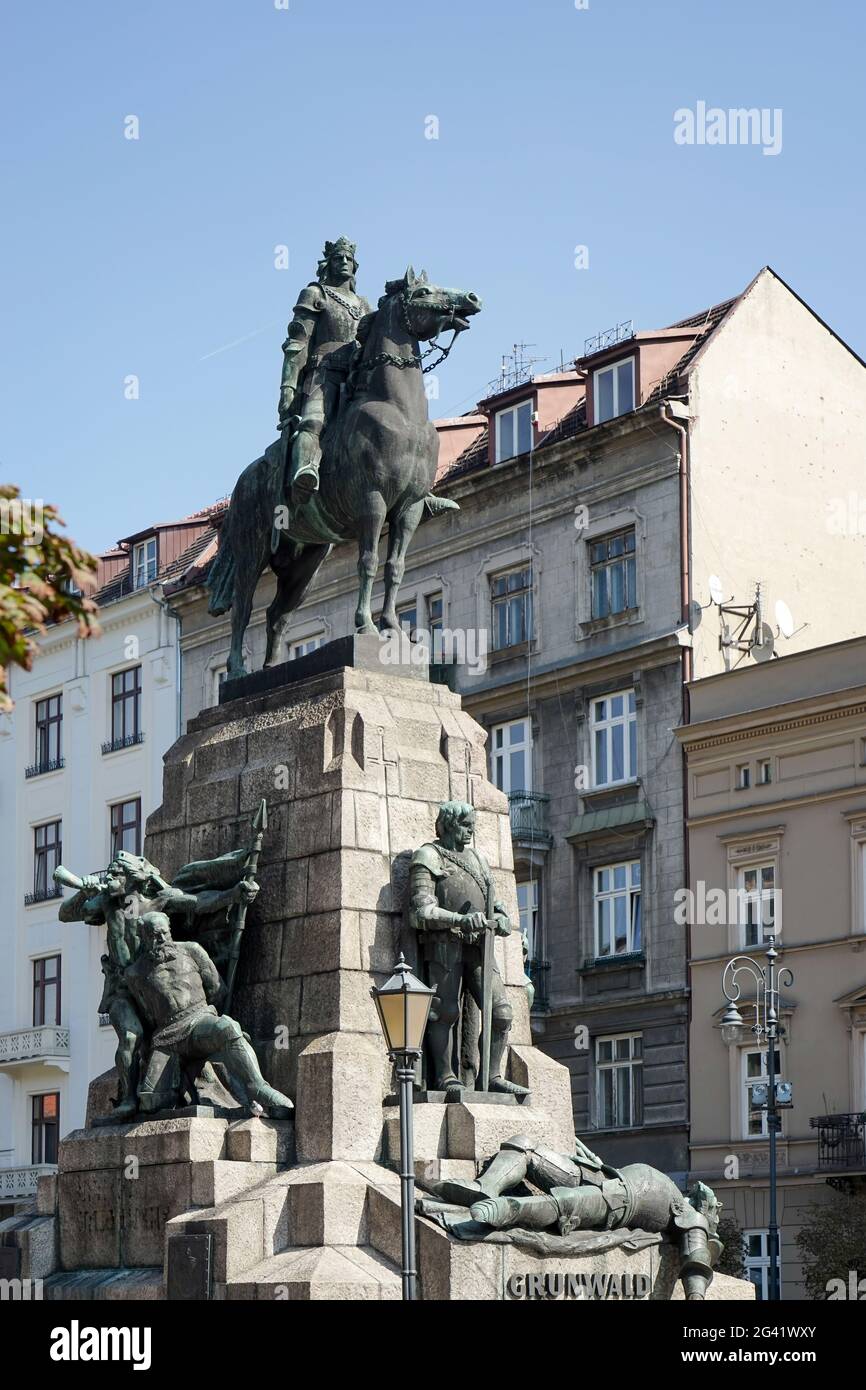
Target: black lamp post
778,1094
404,1007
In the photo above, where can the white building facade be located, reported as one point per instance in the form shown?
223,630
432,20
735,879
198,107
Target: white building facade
80,771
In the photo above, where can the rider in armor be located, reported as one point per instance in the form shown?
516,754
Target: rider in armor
325,319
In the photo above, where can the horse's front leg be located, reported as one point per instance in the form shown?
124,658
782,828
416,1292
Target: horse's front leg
401,529
371,521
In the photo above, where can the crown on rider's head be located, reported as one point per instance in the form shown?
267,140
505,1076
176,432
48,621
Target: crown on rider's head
334,248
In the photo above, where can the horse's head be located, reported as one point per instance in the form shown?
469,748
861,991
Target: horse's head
432,309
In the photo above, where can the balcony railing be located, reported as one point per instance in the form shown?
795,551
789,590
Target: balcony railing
115,744
48,765
43,895
529,818
22,1182
841,1140
538,972
33,1045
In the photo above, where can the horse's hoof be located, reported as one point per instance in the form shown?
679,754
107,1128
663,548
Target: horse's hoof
367,629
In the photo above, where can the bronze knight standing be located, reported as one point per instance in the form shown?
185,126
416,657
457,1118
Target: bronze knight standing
450,892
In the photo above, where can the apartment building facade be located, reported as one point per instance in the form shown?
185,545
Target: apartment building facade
776,762
572,594
81,769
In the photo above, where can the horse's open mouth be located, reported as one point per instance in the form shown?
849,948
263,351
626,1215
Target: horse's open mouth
458,323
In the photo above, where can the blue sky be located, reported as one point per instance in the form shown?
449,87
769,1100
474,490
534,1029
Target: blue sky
262,126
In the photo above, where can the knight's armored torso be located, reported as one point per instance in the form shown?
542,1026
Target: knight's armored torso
457,879
336,315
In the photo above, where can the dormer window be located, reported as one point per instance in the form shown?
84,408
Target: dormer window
513,431
144,562
613,391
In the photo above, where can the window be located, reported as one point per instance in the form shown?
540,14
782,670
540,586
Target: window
46,991
614,739
47,851
757,902
305,646
45,1127
619,1081
126,827
744,777
613,574
49,733
614,390
144,563
125,709
219,675
513,431
755,1074
527,905
407,617
511,756
765,772
511,596
616,896
756,1259
434,613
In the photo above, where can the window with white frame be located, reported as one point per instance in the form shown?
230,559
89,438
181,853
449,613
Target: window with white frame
754,1066
527,907
765,772
614,390
613,721
613,574
144,562
619,1081
511,604
305,645
617,909
513,431
756,896
511,756
756,1261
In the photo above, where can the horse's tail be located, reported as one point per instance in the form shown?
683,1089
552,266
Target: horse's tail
220,582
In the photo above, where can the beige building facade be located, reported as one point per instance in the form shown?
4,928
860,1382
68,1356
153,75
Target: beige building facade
776,774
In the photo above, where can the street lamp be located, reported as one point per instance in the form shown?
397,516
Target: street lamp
403,1004
778,1094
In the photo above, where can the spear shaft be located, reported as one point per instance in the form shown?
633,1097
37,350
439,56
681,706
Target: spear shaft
260,825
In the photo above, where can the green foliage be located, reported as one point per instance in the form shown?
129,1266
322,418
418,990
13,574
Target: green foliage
731,1260
832,1241
37,567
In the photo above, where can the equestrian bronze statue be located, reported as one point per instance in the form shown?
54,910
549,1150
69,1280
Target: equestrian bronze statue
356,451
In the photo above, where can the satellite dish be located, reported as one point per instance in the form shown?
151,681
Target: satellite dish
764,651
784,618
717,593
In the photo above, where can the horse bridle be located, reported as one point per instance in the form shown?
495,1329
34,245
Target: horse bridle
390,359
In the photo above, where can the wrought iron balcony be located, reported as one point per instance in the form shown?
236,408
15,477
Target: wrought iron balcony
115,744
841,1140
529,818
44,1043
48,765
538,972
43,895
22,1182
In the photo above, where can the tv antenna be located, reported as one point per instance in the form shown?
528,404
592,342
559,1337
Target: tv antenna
515,368
749,634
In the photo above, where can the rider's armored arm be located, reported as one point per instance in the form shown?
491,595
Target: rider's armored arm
296,348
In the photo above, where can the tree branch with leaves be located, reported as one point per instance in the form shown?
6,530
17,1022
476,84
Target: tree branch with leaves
42,575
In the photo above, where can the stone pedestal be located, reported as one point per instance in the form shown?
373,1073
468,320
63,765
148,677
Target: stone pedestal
353,762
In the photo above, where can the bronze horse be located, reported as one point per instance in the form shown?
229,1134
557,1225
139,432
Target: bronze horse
378,465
